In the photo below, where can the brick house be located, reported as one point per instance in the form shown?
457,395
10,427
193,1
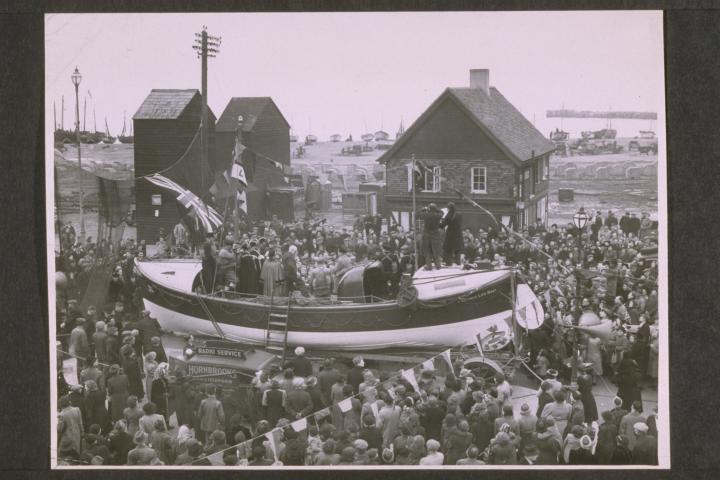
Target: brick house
473,140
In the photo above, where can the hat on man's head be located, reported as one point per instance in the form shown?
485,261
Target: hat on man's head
617,401
640,427
525,409
552,373
585,442
299,351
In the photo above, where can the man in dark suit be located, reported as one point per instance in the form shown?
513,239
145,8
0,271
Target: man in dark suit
453,244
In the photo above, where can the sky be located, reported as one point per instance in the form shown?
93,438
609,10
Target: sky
357,72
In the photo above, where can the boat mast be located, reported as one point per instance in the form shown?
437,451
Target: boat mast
94,119
62,113
54,117
84,112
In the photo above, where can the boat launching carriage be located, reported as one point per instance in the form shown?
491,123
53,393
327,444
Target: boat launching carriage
437,308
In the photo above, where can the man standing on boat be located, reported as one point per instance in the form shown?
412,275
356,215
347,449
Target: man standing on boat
432,239
453,244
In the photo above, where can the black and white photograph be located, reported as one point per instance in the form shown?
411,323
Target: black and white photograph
397,240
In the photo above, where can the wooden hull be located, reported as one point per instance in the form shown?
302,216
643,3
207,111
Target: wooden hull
443,322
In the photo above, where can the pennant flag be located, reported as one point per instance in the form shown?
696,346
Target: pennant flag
391,392
479,345
238,173
222,188
345,405
409,375
320,414
446,356
428,365
273,445
374,408
508,321
238,150
523,313
299,425
242,201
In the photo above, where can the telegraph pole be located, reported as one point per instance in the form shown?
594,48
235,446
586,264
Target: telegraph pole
205,46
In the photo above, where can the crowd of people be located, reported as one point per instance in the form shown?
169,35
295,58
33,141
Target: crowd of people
129,409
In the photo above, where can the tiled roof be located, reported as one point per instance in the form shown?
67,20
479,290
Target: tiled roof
504,121
165,104
498,117
250,108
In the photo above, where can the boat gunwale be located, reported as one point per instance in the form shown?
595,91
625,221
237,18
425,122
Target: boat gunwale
385,305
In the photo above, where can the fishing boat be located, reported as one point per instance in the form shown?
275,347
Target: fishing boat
125,138
440,308
108,138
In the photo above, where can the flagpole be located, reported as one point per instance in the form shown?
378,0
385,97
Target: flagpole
414,216
512,299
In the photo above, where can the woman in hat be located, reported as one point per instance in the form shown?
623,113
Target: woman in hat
117,390
160,389
149,366
119,443
142,454
70,425
94,407
132,370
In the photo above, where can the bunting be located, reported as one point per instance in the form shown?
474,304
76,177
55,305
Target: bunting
273,446
345,405
241,199
428,365
446,356
478,342
299,425
274,437
409,375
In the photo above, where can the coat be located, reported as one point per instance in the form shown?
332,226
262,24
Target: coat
95,410
160,393
131,368
606,443
453,235
211,414
274,404
645,450
70,427
117,389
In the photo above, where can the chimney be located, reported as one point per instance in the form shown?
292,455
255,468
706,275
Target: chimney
480,78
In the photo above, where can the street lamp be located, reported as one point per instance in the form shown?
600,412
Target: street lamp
580,220
76,78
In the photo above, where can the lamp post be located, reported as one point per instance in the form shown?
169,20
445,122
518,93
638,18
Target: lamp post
580,220
76,78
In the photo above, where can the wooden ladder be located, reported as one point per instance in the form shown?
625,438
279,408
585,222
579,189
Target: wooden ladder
277,330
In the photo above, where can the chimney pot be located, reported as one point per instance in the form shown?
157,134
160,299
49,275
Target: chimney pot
480,79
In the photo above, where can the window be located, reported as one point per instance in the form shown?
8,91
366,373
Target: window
156,200
432,180
478,180
537,168
546,168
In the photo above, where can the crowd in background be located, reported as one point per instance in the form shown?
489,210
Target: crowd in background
130,409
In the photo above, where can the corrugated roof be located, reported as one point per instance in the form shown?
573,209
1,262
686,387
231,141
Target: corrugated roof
504,121
165,104
250,108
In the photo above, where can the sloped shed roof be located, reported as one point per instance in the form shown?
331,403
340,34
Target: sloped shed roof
250,108
165,104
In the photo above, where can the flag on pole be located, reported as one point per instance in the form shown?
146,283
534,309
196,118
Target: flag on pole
428,365
446,356
207,215
299,425
242,201
238,173
409,375
345,405
186,198
238,151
